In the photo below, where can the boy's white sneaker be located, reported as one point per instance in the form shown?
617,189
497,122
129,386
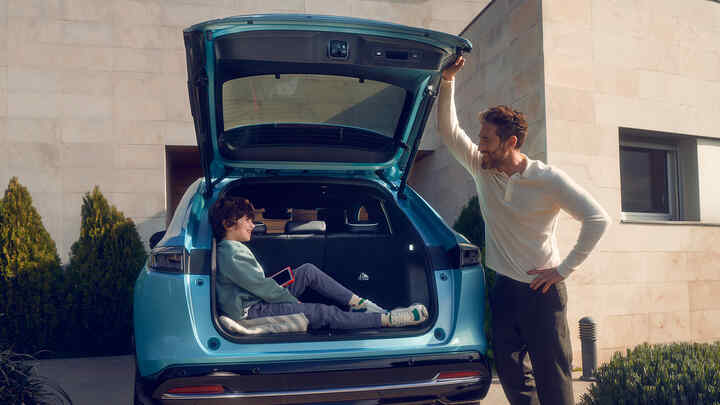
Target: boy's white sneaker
412,315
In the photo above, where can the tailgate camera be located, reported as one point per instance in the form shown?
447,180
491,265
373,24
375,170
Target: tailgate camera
338,49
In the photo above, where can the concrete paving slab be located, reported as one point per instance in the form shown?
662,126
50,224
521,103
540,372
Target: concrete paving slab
109,380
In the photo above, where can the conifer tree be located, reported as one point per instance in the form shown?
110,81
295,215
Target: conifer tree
104,263
30,275
25,244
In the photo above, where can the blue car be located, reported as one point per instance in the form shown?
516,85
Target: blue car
317,121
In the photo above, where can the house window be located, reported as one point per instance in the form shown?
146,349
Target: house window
658,176
649,183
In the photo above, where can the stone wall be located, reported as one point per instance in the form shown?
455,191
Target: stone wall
91,91
650,65
505,67
646,64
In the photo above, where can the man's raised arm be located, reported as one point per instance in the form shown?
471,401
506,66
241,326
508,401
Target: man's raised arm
457,141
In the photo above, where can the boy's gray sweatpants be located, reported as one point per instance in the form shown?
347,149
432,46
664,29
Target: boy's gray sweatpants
319,315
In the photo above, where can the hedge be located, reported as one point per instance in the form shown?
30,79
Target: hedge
678,373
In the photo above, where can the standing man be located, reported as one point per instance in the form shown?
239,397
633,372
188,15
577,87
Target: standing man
520,200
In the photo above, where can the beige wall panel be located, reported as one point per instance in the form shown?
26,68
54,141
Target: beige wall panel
26,155
72,203
85,107
85,130
140,132
139,157
668,327
577,12
3,92
705,265
705,326
82,180
704,295
32,130
616,80
570,104
22,79
139,96
173,61
33,8
138,60
671,297
86,10
179,133
85,82
87,156
647,114
139,205
580,138
32,105
38,180
623,330
87,33
627,16
181,15
141,12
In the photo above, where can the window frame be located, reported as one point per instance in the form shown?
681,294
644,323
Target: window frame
674,185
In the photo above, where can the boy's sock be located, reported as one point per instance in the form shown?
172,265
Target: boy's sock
358,304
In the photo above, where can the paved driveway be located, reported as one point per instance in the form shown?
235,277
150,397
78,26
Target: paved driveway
109,380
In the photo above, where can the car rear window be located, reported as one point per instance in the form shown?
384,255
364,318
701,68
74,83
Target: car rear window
312,99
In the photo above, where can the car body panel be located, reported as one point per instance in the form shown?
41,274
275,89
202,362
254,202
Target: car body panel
459,297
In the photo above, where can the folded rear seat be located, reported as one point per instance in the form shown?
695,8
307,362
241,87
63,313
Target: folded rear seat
302,242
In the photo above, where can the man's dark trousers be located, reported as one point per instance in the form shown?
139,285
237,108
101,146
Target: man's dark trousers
528,322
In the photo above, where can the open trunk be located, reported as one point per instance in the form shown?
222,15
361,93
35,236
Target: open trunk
353,231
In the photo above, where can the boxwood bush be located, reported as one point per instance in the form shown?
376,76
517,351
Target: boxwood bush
679,373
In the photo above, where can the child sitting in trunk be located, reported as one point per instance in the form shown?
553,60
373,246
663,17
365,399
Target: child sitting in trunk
243,291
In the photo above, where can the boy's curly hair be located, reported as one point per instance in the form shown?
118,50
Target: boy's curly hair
226,210
508,122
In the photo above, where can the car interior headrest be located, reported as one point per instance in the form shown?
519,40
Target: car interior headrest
305,227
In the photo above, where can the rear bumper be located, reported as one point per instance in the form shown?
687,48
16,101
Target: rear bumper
410,380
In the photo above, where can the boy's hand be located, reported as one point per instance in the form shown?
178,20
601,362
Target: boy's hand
449,72
545,276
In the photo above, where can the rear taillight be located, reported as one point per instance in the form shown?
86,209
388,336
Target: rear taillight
452,375
168,260
198,389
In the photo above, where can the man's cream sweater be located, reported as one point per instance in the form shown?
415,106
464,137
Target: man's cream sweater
521,211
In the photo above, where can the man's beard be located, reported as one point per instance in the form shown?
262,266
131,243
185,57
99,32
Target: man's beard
492,160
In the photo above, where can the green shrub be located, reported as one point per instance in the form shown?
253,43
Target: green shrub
471,225
679,373
20,384
30,275
104,263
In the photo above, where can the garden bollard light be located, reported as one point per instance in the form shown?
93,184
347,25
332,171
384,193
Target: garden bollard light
588,339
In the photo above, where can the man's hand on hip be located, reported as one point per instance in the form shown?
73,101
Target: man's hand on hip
451,70
546,277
